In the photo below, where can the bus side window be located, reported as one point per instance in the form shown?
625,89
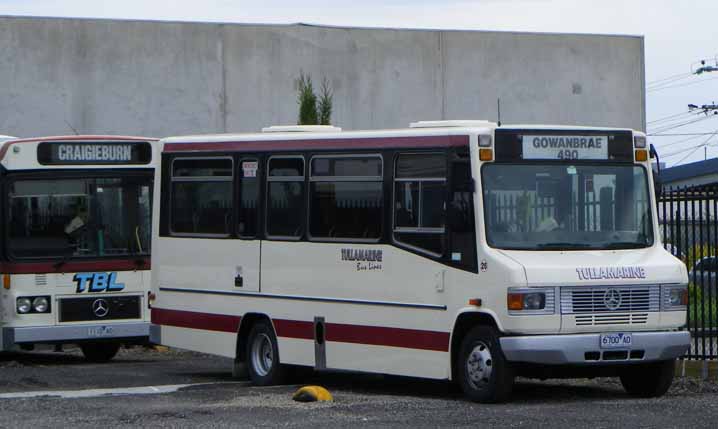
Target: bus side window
285,197
462,235
249,198
420,201
346,197
201,196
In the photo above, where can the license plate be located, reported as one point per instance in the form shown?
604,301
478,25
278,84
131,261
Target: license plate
616,340
100,331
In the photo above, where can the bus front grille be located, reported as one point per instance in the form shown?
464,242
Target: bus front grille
99,308
611,319
626,300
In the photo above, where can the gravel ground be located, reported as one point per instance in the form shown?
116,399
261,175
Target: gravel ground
360,400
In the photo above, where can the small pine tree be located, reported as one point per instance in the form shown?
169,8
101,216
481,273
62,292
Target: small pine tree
307,101
325,104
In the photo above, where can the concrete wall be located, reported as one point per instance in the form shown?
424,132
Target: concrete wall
159,79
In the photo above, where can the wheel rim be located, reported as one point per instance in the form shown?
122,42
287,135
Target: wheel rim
262,354
479,366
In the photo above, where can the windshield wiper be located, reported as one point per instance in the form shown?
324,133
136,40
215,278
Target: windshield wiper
59,264
623,245
563,245
66,257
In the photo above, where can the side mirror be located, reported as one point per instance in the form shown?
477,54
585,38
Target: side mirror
657,185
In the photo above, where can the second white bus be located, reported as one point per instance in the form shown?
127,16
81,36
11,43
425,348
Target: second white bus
450,250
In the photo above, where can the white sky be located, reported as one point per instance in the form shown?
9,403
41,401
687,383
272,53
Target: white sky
678,34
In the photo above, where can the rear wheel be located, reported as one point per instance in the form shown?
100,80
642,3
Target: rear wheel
649,380
483,372
263,355
99,352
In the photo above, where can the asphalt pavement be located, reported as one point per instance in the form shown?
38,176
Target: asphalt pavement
146,388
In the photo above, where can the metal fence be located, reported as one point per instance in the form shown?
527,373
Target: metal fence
689,229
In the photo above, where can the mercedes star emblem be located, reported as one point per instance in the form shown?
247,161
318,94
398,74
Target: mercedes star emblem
100,307
612,299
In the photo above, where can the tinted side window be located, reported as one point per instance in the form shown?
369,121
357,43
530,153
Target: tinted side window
420,201
201,196
346,199
285,197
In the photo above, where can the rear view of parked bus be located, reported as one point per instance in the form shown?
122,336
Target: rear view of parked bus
454,250
76,242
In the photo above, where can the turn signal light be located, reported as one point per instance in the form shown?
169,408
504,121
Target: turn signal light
641,155
486,154
150,299
516,301
6,281
475,302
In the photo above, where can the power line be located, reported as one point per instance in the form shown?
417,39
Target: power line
680,134
678,86
695,148
671,117
672,144
671,127
653,82
685,157
668,83
680,151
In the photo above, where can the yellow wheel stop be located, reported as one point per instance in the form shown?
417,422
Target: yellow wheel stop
312,394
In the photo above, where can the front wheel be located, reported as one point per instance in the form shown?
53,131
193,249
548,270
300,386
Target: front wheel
100,352
483,372
263,356
649,380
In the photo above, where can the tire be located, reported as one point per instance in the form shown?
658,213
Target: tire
262,356
100,352
483,372
649,380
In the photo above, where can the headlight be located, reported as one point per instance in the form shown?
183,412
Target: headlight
674,297
24,305
530,301
40,304
33,304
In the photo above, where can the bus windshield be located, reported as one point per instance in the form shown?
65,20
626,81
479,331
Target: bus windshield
83,217
566,207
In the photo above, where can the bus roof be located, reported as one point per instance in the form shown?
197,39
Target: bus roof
433,134
83,138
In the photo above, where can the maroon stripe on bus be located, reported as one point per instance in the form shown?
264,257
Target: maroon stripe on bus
294,329
195,320
74,266
391,337
335,332
307,144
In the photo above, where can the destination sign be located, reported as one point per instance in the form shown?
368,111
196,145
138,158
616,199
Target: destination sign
85,153
565,147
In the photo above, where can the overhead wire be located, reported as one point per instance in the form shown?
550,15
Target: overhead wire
686,157
670,118
668,83
668,127
695,148
679,85
667,78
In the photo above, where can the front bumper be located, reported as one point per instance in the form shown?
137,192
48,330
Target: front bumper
584,348
72,333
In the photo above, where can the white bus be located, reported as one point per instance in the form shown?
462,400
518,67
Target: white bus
455,250
76,215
